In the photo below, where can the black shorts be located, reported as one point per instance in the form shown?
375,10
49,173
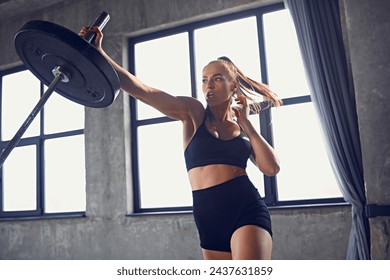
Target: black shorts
220,210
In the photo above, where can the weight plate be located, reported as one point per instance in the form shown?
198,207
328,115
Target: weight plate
43,45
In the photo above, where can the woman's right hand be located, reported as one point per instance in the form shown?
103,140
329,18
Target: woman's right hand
99,35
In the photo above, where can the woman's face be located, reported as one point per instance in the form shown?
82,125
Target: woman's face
217,83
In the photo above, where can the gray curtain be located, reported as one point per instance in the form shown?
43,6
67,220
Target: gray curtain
318,27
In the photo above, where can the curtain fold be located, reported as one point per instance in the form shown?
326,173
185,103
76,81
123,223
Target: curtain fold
318,27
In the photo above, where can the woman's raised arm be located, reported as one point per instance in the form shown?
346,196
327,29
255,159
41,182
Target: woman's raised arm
178,108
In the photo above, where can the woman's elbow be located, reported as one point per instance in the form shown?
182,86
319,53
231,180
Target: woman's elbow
271,170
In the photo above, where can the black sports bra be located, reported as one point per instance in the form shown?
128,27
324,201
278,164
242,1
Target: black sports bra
205,149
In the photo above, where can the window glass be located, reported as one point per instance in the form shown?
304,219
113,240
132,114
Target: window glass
20,94
62,114
305,169
20,180
65,174
162,172
163,63
286,75
236,39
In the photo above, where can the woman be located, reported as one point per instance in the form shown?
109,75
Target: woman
232,219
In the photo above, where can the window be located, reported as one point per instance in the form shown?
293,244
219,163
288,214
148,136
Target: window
44,175
262,42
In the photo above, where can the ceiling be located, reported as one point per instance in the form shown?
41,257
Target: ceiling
10,8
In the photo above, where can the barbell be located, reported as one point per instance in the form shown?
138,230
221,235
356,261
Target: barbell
68,64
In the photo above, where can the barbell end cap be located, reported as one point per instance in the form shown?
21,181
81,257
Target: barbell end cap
60,71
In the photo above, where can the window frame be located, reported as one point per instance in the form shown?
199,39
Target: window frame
270,183
37,141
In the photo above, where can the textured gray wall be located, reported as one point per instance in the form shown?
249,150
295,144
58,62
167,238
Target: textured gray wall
368,27
106,232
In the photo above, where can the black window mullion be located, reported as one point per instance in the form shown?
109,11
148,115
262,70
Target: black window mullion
41,161
134,136
40,176
191,43
135,160
270,184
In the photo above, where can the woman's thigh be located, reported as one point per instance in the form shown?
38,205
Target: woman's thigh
251,243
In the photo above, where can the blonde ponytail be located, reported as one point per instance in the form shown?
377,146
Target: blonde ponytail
252,89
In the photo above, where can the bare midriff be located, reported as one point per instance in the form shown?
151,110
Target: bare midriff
207,176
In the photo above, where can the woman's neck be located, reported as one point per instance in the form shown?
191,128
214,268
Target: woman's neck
220,113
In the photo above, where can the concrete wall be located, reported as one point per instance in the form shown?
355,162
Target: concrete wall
106,232
368,27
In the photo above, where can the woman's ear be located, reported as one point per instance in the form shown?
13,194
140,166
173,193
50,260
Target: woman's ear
235,86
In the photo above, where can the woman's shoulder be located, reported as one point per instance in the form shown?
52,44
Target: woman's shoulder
190,101
194,105
196,112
